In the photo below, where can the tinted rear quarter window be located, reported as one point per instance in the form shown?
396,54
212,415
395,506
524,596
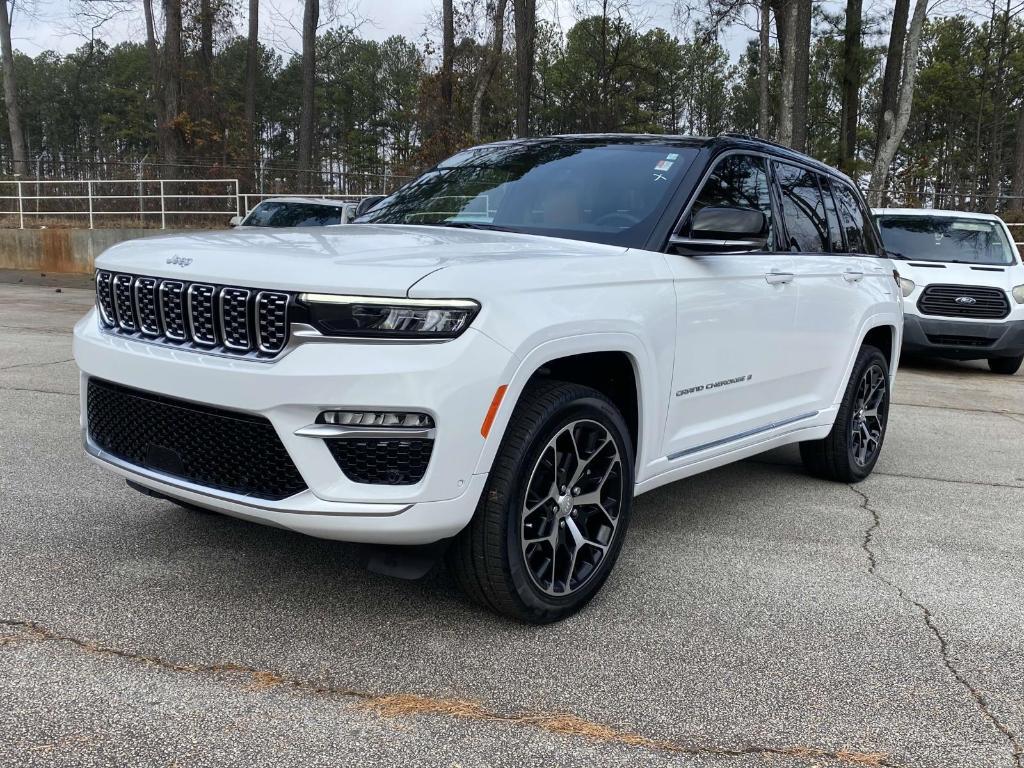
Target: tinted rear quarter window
855,222
803,209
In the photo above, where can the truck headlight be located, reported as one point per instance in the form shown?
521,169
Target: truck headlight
1018,294
907,286
381,317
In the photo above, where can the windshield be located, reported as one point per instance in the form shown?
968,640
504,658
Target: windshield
601,192
946,238
283,214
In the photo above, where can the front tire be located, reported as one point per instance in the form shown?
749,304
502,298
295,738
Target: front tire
1005,365
851,449
550,523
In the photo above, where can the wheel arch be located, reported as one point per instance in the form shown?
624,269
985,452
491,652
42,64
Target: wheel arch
615,364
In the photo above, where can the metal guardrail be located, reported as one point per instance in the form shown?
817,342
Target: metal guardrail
37,203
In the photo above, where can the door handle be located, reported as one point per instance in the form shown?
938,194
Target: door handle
778,278
853,276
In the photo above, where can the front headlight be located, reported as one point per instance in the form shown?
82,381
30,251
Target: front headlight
387,318
1018,294
907,286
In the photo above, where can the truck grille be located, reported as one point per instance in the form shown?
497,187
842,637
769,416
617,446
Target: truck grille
382,461
199,316
214,448
972,301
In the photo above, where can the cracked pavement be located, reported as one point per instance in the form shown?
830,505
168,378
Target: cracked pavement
757,617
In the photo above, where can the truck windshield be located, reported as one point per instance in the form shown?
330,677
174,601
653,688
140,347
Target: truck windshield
946,238
601,192
285,214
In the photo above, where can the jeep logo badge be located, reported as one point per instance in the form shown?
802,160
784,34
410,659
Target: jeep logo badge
183,261
966,300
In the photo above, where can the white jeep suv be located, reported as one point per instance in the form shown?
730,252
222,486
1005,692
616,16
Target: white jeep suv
963,283
503,354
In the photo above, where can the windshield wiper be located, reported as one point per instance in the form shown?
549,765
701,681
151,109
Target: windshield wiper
472,225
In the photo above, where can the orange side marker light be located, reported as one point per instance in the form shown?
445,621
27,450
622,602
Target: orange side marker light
499,393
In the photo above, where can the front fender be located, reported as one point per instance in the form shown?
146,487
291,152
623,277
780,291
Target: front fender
650,395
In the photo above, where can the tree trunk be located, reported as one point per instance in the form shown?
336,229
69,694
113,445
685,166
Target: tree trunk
525,14
252,54
310,22
897,127
18,152
1017,187
447,56
206,41
764,56
801,74
893,67
172,74
850,88
786,24
490,66
998,99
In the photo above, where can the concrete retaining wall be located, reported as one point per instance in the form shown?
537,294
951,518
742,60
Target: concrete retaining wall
63,250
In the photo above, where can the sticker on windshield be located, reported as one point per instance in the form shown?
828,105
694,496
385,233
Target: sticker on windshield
663,165
672,156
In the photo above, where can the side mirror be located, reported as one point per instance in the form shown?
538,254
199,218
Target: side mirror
367,203
235,221
725,230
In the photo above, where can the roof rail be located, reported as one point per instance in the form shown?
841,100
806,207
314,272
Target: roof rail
748,137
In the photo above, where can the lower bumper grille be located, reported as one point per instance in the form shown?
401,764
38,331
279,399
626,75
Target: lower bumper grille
961,341
211,447
380,461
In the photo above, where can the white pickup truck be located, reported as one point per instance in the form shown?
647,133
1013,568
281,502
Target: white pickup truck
501,355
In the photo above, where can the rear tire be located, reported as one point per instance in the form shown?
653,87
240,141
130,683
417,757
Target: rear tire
550,523
1005,365
850,451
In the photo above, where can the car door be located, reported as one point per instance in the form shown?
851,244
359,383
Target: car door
735,320
827,277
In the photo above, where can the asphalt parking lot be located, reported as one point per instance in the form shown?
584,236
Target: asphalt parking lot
757,617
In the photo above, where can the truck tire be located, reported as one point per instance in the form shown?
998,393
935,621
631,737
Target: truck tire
1005,365
551,520
849,452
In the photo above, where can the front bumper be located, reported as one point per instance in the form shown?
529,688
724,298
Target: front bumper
962,340
452,381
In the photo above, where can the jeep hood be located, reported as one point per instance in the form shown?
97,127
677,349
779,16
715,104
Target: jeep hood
383,260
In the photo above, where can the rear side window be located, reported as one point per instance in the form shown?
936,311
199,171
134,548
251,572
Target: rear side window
854,221
738,181
802,209
835,235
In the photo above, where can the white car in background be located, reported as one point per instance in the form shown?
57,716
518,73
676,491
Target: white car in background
963,284
284,212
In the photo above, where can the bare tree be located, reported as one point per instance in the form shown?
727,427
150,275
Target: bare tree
785,22
764,57
18,153
801,45
169,134
525,16
252,53
1017,186
895,125
893,68
307,126
490,66
447,57
851,74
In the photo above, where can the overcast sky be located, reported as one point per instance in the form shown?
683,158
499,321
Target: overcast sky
63,25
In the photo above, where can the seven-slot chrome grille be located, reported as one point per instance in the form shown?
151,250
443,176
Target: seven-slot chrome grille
200,316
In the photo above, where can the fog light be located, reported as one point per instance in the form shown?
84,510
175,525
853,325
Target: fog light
397,419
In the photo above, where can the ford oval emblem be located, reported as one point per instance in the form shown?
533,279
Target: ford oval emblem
966,300
179,261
